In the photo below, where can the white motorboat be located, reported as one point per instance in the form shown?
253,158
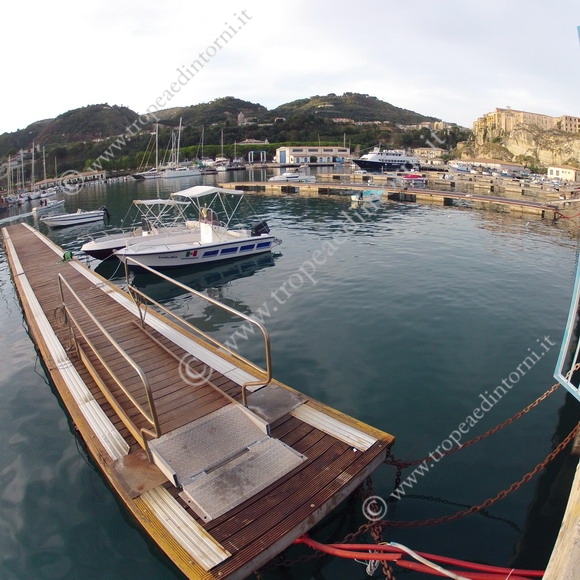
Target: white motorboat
81,216
47,205
218,237
368,195
294,176
153,217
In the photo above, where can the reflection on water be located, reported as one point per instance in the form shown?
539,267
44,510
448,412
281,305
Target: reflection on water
200,278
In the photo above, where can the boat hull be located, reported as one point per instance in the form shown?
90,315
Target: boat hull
147,175
105,246
382,166
175,173
103,249
195,254
293,177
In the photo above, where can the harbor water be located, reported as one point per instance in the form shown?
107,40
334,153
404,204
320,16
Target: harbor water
405,316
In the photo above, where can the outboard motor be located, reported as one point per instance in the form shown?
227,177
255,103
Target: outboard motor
146,225
103,208
259,228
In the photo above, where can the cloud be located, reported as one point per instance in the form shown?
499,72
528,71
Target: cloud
454,60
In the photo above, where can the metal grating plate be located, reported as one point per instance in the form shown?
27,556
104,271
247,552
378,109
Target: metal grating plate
205,443
213,494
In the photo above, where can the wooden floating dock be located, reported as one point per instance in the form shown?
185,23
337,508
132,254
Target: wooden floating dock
550,209
220,486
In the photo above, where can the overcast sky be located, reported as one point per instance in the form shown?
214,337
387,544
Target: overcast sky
452,59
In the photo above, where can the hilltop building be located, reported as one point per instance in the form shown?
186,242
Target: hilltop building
502,121
429,155
431,125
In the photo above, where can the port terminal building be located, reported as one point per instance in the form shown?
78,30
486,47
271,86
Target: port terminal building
306,154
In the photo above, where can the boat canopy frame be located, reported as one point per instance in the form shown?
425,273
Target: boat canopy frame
157,212
214,198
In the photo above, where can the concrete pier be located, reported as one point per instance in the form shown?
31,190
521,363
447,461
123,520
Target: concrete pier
545,209
565,560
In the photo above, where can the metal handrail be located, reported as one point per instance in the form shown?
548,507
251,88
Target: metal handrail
268,355
564,370
150,417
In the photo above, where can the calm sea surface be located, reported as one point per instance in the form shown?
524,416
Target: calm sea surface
403,322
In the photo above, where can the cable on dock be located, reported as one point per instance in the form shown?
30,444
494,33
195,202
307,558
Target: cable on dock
425,562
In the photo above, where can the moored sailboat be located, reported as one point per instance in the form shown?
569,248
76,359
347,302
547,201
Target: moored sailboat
175,169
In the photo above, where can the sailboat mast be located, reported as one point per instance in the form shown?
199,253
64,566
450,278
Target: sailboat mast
21,186
32,170
156,145
9,181
44,165
178,144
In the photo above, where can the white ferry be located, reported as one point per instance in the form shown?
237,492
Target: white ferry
387,160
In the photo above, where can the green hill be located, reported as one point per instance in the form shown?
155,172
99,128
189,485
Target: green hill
224,110
74,139
350,106
90,123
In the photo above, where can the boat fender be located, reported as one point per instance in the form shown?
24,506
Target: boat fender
66,257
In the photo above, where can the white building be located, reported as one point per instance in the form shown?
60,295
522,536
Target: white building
564,172
307,154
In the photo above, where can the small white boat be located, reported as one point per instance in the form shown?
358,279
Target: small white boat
368,195
34,194
81,216
217,238
48,192
181,171
48,205
294,176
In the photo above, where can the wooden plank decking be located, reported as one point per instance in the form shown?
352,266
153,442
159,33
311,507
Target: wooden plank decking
249,535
